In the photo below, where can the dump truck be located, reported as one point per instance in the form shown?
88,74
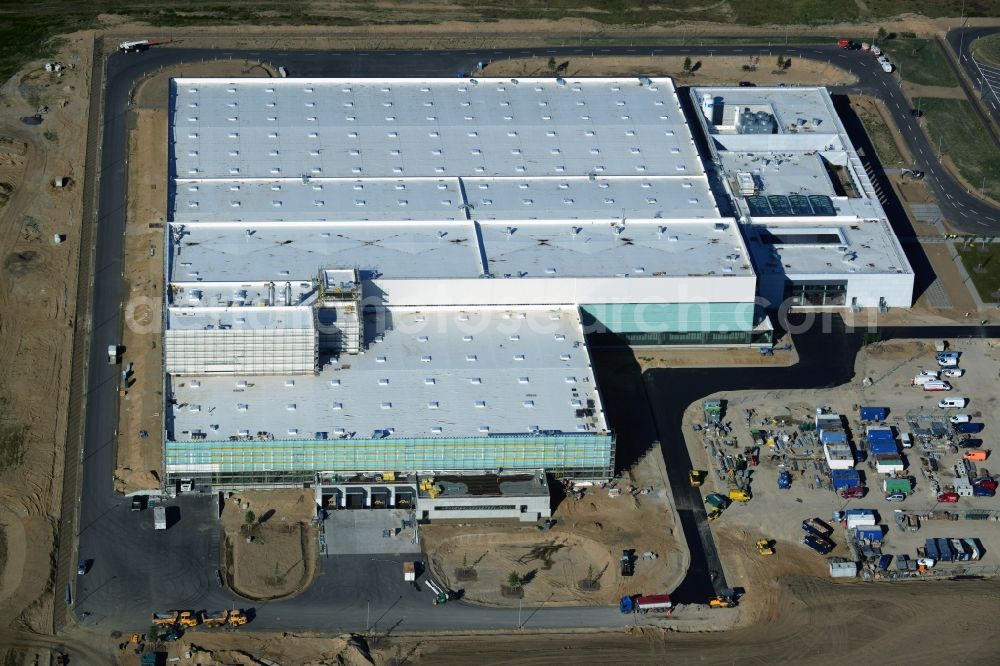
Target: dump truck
215,618
237,618
696,477
187,619
167,619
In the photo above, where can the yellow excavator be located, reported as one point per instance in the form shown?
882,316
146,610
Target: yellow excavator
722,601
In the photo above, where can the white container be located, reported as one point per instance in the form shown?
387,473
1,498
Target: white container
843,569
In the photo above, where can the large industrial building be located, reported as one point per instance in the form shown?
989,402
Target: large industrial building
374,282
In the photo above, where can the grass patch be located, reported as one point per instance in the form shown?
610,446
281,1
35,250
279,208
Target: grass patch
987,49
934,8
881,138
792,12
983,266
921,61
954,126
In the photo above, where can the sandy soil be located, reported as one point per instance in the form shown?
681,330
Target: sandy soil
37,306
585,544
139,458
712,70
281,558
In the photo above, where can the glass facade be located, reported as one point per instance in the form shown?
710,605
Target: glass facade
816,293
673,324
264,461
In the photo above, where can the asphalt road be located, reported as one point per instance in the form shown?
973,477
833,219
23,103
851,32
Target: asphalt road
137,570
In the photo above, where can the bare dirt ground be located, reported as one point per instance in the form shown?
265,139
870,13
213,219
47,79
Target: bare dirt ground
585,545
712,70
37,301
139,457
777,515
281,558
853,619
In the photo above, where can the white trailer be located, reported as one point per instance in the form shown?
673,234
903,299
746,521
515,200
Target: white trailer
134,47
159,518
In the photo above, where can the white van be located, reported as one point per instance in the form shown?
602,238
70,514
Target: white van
948,403
906,439
935,385
923,378
948,359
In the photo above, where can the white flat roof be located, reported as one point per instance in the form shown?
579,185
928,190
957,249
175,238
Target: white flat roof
224,253
442,372
863,247
351,128
852,234
647,249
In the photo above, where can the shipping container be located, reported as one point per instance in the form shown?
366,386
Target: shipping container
845,478
883,448
843,569
943,549
817,527
897,485
870,533
874,413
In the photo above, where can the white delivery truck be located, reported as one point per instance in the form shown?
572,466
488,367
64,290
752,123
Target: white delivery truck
160,518
112,354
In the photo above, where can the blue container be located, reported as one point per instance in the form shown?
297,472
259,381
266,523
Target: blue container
880,447
874,413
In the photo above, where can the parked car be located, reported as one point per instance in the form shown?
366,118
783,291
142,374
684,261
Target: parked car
747,84
82,567
138,502
916,113
854,492
895,497
959,418
947,498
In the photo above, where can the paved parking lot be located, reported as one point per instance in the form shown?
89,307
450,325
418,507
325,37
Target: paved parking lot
368,532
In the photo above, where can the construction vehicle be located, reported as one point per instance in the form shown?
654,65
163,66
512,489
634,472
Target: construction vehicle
237,618
738,494
764,547
722,601
187,619
167,619
717,501
214,618
784,480
627,563
696,477
713,514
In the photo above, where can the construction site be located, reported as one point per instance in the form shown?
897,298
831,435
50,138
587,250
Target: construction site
416,387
